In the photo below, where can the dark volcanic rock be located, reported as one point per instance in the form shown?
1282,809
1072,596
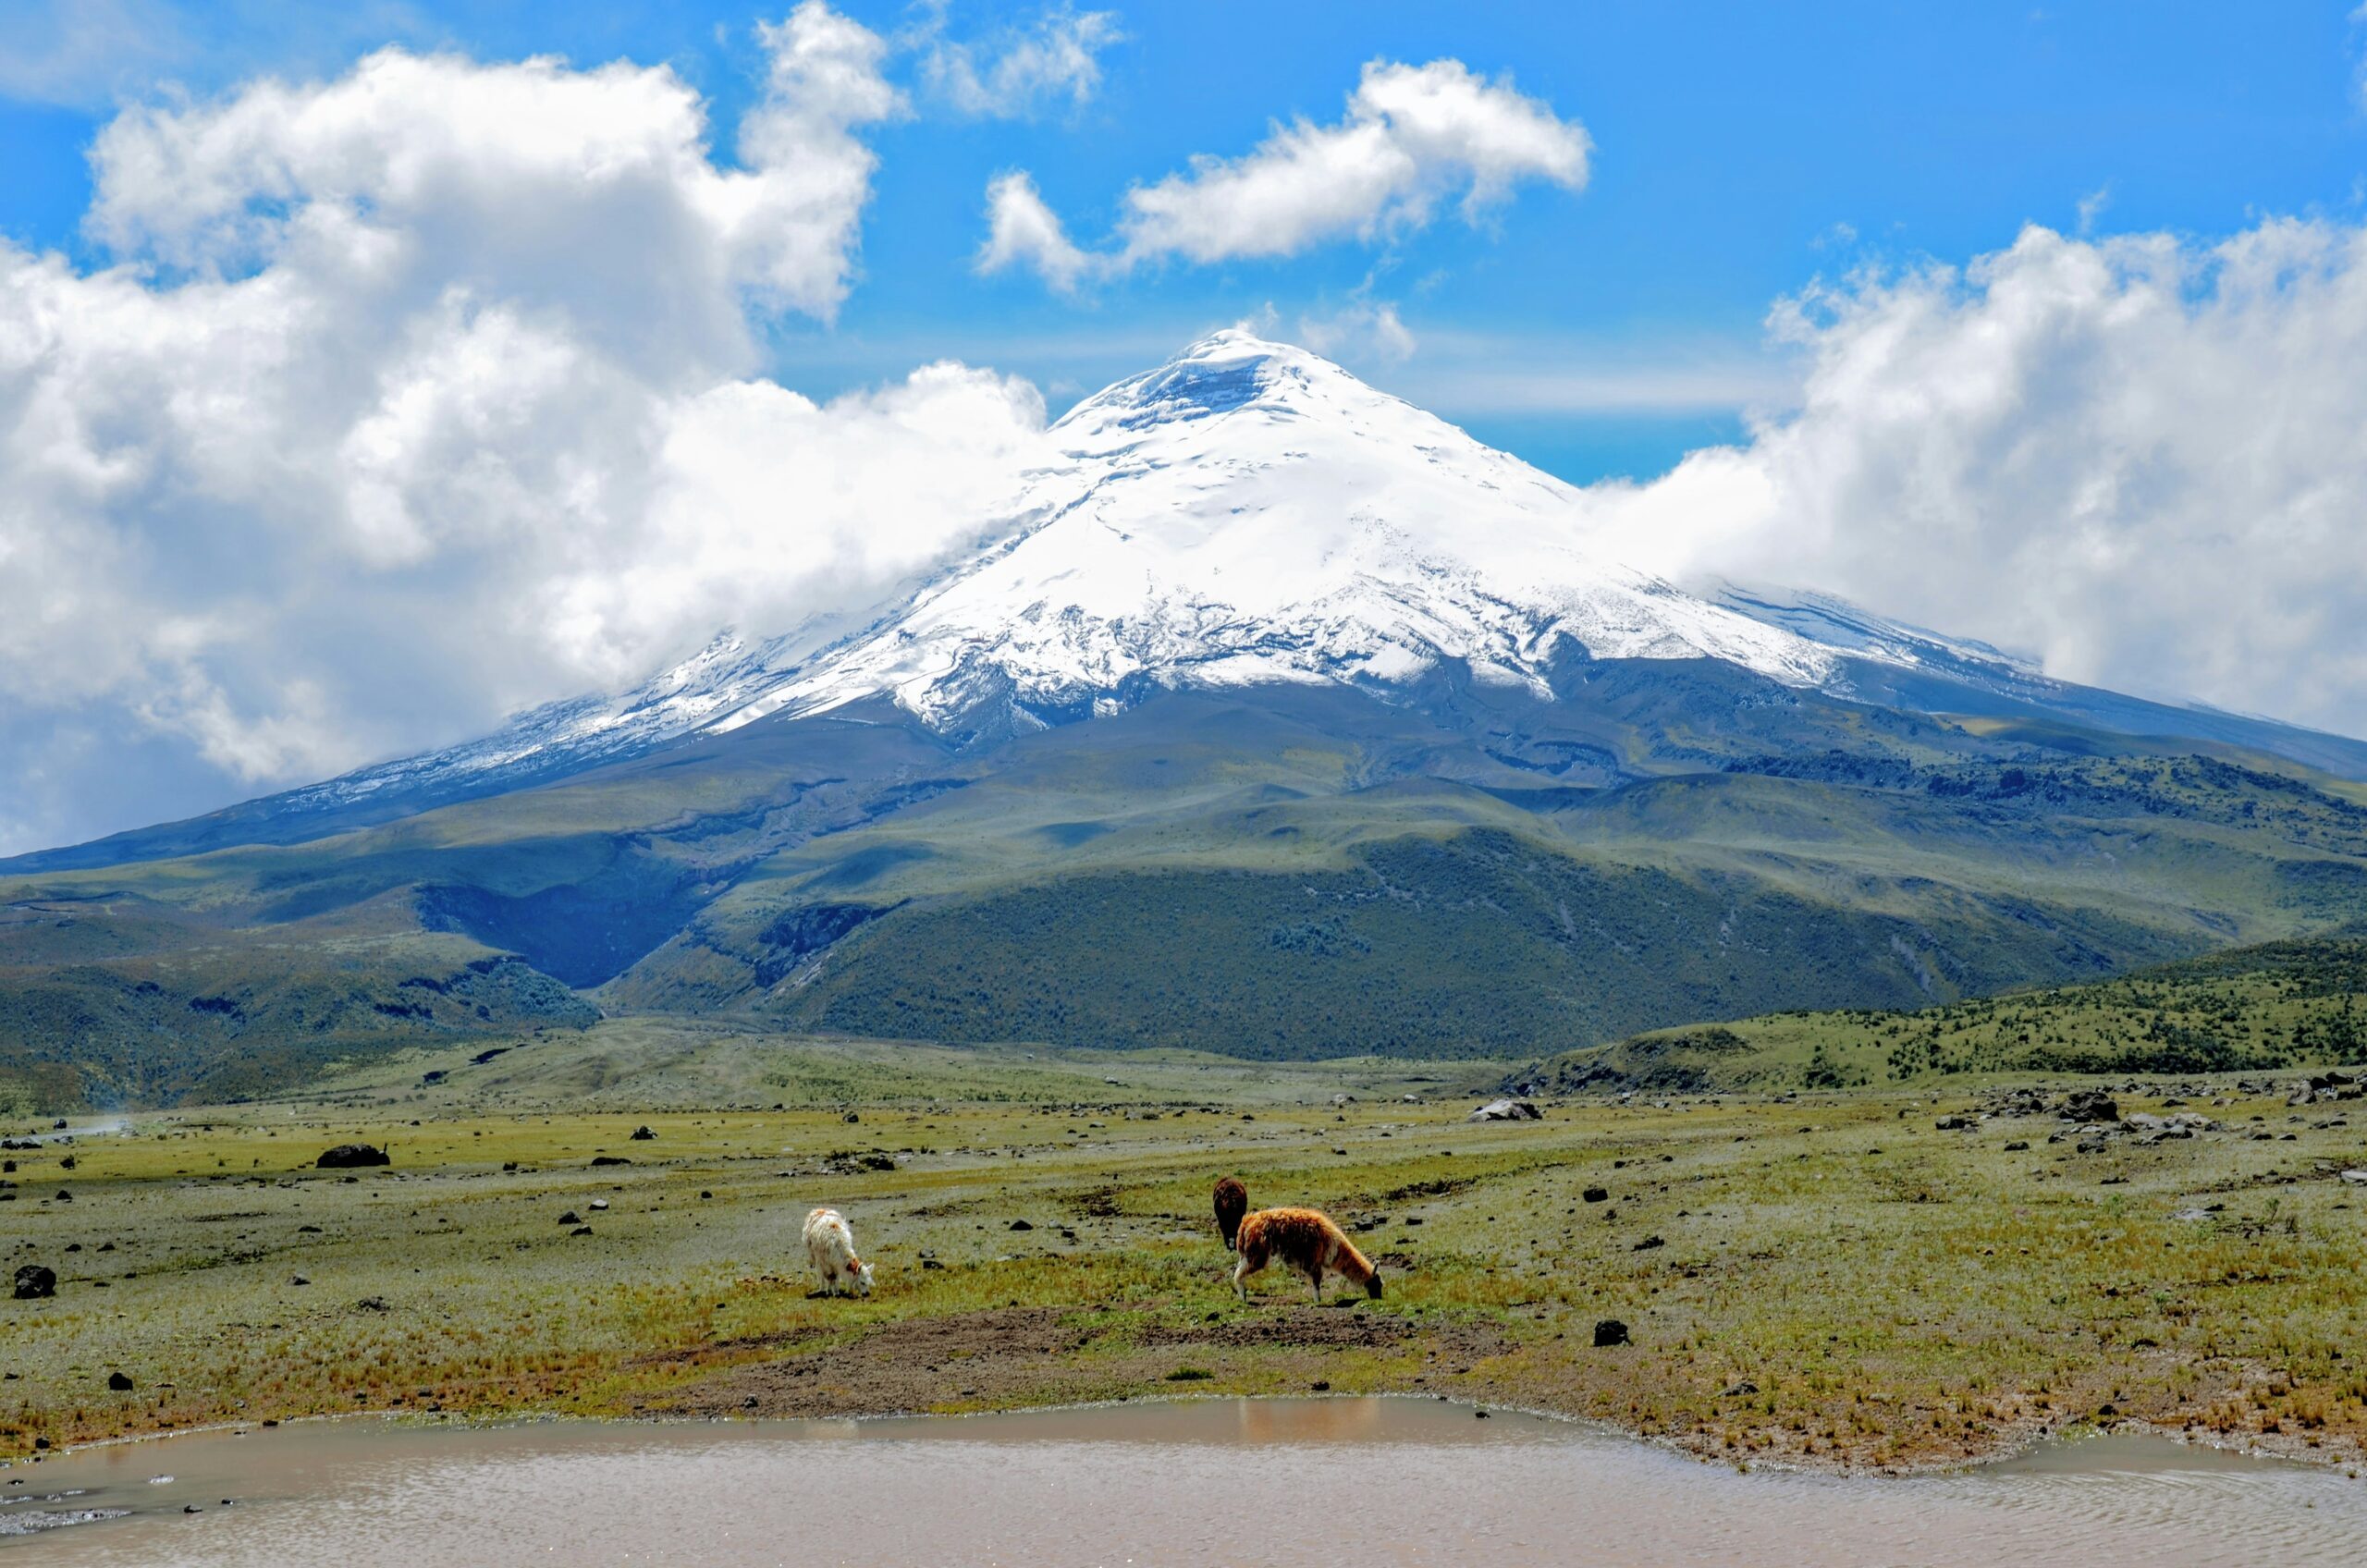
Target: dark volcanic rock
1595,1194
35,1281
352,1157
118,1382
610,1159
1610,1332
2089,1105
642,1134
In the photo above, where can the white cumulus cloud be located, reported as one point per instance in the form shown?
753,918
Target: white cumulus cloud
2142,458
1414,137
1022,229
402,399
1362,329
1023,68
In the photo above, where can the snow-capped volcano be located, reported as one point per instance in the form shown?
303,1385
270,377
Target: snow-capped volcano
1251,512
1246,513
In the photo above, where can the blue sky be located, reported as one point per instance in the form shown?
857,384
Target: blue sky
1741,151
354,400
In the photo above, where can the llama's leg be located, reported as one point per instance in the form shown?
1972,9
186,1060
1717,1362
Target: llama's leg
1314,1278
1241,1272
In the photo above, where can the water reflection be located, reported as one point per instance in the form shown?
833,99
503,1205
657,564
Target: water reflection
1289,1481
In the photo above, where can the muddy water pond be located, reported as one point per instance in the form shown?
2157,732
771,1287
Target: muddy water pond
1370,1481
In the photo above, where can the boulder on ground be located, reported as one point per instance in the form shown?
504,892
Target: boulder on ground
352,1157
118,1382
642,1134
2183,1124
2325,1086
2089,1105
1506,1110
35,1281
1610,1332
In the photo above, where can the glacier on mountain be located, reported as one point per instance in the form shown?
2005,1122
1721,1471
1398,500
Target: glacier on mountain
1249,512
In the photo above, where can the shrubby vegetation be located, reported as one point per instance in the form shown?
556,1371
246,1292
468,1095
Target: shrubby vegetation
2277,1005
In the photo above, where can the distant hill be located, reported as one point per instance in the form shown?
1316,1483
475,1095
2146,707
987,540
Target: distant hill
2276,1005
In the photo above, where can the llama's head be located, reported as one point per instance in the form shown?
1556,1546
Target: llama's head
862,1277
1232,1202
1372,1285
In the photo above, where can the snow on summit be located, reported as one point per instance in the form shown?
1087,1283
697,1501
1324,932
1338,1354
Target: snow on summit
1251,512
1246,513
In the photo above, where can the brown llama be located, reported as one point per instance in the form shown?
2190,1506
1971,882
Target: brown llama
1232,1202
1303,1239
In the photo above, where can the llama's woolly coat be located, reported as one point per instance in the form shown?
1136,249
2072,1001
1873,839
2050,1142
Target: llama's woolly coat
1306,1242
829,1247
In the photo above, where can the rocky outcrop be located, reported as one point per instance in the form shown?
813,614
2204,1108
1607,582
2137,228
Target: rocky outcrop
352,1157
2089,1105
2325,1086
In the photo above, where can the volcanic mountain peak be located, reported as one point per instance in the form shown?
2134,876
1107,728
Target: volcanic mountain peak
1247,513
1251,512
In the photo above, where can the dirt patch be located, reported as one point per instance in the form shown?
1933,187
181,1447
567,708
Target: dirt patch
1097,1203
1009,1355
1311,1327
1036,1356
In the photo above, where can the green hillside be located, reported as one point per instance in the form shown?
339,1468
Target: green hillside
120,1003
1449,871
2276,1005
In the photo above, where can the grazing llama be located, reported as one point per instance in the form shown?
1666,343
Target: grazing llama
1232,1202
1305,1240
829,1246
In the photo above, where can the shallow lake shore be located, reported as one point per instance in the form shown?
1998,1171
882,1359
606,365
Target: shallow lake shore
1415,1480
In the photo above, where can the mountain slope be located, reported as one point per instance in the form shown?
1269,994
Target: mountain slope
1282,721
1247,513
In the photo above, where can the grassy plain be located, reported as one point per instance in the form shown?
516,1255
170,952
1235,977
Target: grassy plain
1829,1278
